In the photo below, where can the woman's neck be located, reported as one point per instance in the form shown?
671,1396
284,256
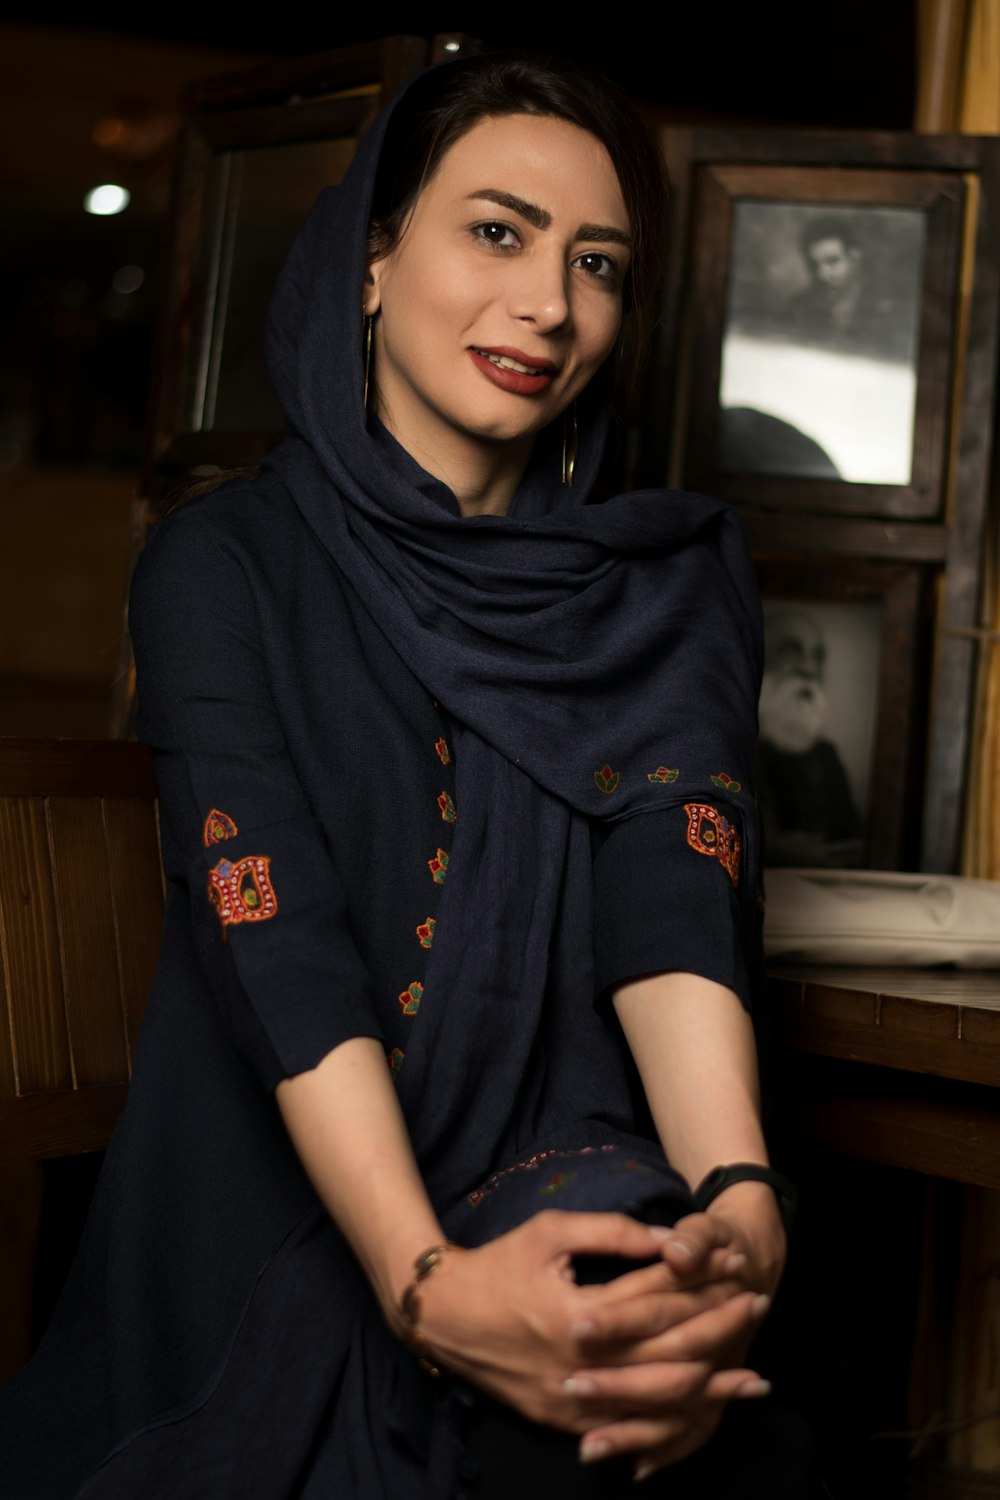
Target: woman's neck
483,477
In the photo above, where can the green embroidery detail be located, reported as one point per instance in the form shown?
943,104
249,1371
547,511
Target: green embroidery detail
444,754
425,932
662,774
726,783
447,807
395,1060
607,780
438,866
410,998
558,1180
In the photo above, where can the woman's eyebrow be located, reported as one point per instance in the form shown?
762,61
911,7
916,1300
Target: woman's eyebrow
540,218
606,232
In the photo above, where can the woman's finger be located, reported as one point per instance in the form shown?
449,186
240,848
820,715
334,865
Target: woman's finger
594,1234
649,1388
648,1433
689,1247
605,1325
704,1334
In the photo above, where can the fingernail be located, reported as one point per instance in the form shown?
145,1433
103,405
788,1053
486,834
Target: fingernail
591,1451
760,1305
683,1247
584,1329
754,1388
735,1262
660,1231
643,1471
576,1385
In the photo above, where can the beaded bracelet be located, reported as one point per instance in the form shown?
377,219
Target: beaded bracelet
410,1303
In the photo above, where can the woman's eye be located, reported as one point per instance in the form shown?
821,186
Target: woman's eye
597,264
500,236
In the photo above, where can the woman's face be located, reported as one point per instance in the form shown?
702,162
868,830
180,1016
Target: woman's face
503,295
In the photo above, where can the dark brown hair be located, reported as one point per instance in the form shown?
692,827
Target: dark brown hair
448,101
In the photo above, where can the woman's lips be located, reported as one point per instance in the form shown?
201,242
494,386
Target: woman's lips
532,377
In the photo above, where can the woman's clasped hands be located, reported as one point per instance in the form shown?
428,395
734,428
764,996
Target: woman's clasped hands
643,1364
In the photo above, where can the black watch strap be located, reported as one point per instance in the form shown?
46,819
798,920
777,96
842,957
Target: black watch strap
721,1178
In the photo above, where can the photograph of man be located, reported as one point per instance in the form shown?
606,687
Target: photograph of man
809,812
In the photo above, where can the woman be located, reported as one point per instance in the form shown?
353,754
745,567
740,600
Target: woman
452,773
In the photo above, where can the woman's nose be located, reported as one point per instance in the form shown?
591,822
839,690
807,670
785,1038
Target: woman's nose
541,293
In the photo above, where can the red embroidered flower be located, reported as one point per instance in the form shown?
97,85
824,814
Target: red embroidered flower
425,932
607,780
444,754
447,807
411,997
438,866
662,774
726,783
395,1060
558,1180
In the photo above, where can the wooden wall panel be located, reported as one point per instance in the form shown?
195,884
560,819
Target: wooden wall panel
92,984
36,1017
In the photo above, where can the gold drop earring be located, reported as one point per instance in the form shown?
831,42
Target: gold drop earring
571,439
367,324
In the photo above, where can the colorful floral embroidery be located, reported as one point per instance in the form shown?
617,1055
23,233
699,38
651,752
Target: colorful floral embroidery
425,932
444,754
533,1162
709,833
242,892
447,807
661,774
395,1060
607,780
438,866
726,783
558,1180
218,826
411,997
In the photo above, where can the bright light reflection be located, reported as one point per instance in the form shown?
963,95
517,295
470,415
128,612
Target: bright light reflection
107,199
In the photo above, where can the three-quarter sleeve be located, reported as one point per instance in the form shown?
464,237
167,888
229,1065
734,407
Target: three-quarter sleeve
268,909
667,896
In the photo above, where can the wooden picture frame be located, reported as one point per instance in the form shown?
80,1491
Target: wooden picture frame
843,715
936,520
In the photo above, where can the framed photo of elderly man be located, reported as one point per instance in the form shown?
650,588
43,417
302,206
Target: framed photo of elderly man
841,715
823,336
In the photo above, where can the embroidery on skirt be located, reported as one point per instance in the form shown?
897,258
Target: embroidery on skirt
447,807
395,1061
662,775
444,754
242,892
709,833
410,998
438,866
218,826
607,780
425,932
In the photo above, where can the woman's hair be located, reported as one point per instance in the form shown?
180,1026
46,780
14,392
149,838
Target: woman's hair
448,101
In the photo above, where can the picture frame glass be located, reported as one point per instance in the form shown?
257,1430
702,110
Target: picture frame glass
820,342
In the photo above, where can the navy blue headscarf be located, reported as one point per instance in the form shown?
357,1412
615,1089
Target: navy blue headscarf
579,649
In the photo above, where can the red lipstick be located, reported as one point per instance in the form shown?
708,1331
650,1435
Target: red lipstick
535,376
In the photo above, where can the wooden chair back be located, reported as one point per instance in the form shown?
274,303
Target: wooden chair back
81,905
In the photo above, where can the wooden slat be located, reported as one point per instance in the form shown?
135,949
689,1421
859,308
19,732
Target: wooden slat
137,900
91,980
35,1012
75,768
61,1123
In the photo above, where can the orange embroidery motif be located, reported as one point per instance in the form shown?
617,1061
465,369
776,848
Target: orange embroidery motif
447,807
242,892
425,932
607,780
411,997
218,826
444,754
438,866
709,833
